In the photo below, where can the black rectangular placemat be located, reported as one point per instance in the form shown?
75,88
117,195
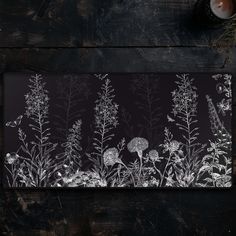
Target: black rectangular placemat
117,130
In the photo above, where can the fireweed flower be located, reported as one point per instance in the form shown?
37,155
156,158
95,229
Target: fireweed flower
106,110
106,119
37,100
111,156
138,145
185,97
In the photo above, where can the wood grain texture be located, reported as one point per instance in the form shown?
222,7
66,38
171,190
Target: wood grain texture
121,212
92,23
78,60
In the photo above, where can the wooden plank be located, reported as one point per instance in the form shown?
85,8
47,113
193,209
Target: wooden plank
120,212
116,60
90,23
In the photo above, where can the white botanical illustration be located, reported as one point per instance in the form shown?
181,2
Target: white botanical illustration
216,166
106,120
69,161
122,159
33,164
184,108
72,92
224,87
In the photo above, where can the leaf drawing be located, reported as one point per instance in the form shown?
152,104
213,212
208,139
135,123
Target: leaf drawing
139,145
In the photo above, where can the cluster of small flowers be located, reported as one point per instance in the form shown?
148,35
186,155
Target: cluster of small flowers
153,182
154,156
72,146
37,99
185,97
106,110
225,104
170,145
84,179
11,158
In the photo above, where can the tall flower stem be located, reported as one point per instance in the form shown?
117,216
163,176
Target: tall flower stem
156,169
37,110
131,174
106,120
140,168
165,169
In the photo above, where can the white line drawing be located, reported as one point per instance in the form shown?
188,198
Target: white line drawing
117,159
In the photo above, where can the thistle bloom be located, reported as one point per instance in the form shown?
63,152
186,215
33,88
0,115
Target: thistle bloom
154,155
111,157
138,145
37,99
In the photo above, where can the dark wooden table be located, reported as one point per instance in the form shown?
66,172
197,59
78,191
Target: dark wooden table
112,36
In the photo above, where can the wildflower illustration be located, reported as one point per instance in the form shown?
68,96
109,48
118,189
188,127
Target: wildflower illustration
138,145
218,129
216,166
106,119
36,164
84,179
133,144
224,87
111,157
70,160
12,165
120,175
174,151
184,109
